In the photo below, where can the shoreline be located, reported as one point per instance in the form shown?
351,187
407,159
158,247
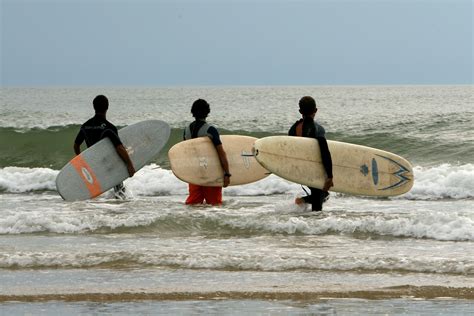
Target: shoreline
180,285
397,292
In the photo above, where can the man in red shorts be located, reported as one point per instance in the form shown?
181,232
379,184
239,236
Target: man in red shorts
200,128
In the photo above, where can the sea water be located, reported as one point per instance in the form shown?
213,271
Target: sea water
258,252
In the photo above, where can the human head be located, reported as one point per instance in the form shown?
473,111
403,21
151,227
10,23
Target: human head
307,106
101,104
200,109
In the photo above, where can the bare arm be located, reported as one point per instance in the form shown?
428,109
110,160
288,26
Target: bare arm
224,164
122,152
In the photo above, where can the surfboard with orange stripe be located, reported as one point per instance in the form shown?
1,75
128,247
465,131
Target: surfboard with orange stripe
99,168
87,175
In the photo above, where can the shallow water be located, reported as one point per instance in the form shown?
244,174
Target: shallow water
254,307
258,252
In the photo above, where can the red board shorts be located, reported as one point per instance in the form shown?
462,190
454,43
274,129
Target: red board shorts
197,195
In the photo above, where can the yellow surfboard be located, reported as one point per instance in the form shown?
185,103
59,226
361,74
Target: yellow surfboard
357,169
196,161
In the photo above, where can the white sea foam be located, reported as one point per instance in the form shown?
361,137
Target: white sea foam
44,219
197,256
440,182
86,217
443,181
17,179
193,261
152,180
422,224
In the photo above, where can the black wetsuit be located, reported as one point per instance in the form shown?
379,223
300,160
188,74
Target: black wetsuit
93,131
199,128
313,130
96,129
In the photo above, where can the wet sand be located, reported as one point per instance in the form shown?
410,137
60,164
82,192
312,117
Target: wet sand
424,292
131,285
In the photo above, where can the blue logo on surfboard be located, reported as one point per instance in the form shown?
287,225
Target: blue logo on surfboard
375,171
401,173
364,170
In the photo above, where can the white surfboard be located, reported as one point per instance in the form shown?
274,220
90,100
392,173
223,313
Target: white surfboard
196,161
99,168
357,169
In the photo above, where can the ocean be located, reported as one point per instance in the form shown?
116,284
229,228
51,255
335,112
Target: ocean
258,253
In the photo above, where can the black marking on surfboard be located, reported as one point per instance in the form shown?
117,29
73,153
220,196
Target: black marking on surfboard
402,174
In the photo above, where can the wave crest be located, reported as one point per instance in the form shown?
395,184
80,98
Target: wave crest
445,181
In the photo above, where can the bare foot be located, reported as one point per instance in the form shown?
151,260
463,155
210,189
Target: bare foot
299,200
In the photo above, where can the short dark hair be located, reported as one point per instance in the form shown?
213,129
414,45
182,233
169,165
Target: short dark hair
101,104
307,105
200,109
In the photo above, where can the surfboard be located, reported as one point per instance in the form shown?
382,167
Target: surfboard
196,161
99,168
357,169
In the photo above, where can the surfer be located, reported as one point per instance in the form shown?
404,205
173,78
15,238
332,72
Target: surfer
98,128
307,127
200,128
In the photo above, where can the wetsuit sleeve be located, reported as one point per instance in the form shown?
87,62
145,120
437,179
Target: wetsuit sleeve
319,131
80,137
113,136
214,136
325,155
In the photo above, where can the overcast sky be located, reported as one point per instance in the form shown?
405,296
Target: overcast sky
235,42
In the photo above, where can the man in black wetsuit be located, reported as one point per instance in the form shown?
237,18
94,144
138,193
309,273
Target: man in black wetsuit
98,128
307,127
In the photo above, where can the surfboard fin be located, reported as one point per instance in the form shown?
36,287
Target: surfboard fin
120,193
